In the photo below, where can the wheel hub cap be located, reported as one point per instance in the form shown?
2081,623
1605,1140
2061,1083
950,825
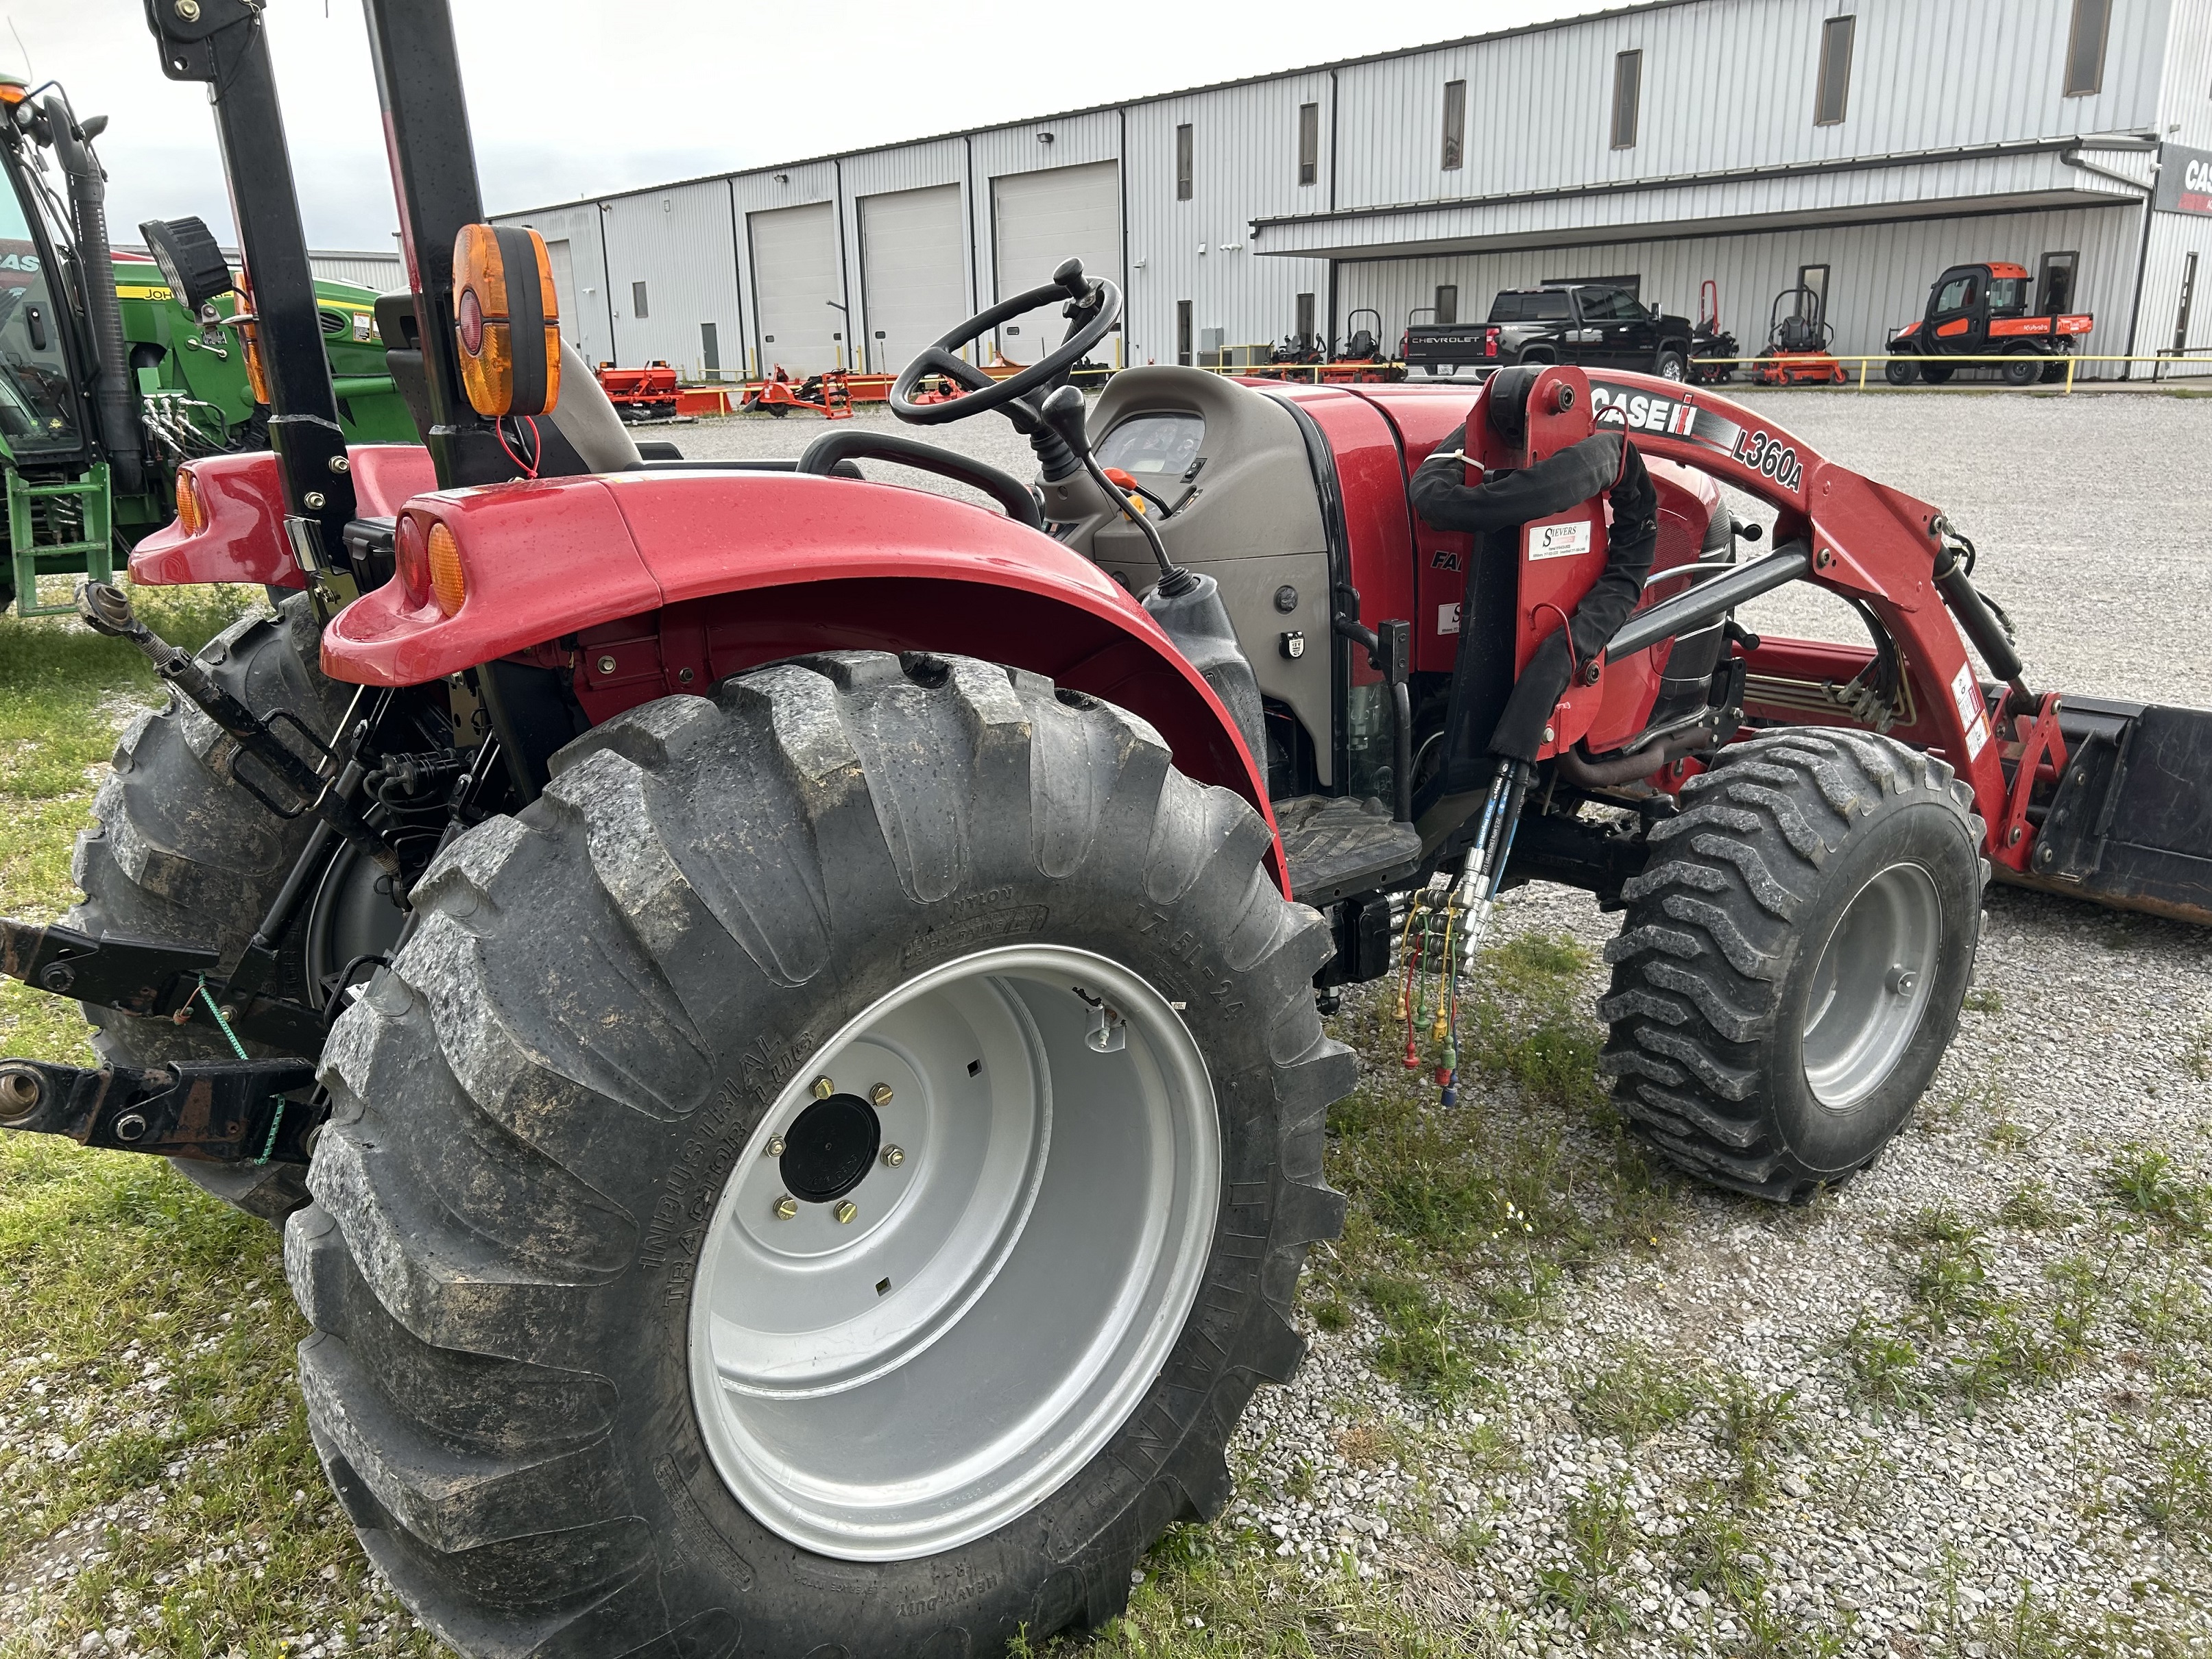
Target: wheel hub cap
954,1254
1871,985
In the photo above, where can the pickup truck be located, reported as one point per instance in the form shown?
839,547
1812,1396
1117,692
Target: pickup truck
1598,325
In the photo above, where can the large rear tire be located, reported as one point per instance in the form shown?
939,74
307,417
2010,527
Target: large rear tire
179,851
1793,958
583,1385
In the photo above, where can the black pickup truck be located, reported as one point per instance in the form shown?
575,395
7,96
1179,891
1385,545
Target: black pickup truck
1595,324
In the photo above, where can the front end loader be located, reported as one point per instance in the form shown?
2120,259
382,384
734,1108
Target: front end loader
779,1013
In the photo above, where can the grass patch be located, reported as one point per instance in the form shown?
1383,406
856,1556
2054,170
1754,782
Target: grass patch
1633,1395
2144,1182
1884,1365
1982,1000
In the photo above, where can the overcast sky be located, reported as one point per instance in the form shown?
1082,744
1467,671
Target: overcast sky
571,98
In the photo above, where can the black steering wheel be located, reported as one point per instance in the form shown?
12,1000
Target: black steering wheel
1094,296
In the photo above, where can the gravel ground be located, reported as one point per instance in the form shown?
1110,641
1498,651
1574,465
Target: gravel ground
1938,1471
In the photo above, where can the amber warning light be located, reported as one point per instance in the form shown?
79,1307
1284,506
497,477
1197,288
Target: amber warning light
507,320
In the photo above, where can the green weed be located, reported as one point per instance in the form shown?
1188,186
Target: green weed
2144,1182
1632,1396
1885,1365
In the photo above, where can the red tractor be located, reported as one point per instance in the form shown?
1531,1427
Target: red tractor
778,1012
1982,310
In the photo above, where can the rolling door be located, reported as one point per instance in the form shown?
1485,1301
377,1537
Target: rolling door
795,287
913,270
1039,218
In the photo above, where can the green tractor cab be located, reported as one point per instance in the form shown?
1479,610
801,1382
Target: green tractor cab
109,377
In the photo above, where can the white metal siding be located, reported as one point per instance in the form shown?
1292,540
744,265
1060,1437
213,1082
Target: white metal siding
2173,237
677,242
1039,220
913,267
795,284
385,272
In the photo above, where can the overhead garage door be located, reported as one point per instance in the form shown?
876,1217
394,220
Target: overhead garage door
795,287
1040,219
913,268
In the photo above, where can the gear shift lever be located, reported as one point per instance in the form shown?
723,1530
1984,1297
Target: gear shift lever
1063,414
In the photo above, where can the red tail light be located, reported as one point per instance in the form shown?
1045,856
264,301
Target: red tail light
410,559
1490,343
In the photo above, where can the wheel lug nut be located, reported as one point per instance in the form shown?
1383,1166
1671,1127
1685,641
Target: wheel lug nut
785,1208
774,1147
846,1210
824,1088
880,1094
894,1156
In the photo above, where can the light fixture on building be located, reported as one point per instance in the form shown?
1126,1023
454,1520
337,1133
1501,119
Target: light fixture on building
1201,250
1139,265
783,178
1044,138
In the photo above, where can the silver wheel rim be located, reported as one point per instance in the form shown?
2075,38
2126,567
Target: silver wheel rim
1871,985
920,1374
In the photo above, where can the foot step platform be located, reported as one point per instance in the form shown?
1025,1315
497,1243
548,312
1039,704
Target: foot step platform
1336,846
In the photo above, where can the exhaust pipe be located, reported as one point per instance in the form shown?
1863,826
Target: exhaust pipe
115,399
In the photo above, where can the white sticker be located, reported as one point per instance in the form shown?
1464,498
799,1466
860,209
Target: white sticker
1968,696
1558,541
1446,619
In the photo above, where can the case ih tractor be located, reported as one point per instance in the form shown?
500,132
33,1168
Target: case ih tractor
778,1012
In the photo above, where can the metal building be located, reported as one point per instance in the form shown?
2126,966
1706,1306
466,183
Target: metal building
1852,146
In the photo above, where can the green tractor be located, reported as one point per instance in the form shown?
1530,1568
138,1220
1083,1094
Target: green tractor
114,372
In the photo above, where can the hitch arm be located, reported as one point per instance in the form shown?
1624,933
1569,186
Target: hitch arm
233,1111
148,979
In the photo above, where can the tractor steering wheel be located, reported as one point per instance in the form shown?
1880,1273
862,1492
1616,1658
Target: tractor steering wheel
1096,296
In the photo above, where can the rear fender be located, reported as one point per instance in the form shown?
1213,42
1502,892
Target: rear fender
243,495
648,586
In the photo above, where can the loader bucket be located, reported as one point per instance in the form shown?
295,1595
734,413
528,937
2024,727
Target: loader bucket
2129,822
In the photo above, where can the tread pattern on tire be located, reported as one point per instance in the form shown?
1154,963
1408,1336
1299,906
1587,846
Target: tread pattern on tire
178,850
1710,933
461,1249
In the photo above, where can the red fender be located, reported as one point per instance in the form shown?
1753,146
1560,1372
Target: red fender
244,540
648,585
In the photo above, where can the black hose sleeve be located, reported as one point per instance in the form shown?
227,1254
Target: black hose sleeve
1630,547
1574,474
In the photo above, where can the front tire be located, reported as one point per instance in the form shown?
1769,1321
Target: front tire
1793,958
1672,366
572,1377
1900,371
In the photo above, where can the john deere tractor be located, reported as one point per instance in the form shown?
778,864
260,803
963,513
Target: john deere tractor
113,373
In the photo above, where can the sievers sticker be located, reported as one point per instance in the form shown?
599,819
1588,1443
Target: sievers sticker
1968,696
1558,541
1446,619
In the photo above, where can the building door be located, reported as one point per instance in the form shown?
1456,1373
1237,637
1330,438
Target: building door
2188,295
1037,221
913,271
2054,284
1304,331
710,352
569,304
795,287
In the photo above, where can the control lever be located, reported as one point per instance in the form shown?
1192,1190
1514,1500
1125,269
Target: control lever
1063,416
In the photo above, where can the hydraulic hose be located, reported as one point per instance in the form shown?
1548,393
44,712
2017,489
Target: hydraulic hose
115,401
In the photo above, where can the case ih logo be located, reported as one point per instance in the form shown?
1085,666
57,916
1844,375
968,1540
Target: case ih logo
2185,180
1643,412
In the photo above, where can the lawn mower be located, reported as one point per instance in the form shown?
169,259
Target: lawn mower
1797,344
113,370
779,1012
1982,310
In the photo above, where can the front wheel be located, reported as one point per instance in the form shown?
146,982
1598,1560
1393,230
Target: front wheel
1900,371
1672,366
1793,958
833,1168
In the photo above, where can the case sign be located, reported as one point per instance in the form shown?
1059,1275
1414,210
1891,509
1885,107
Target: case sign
2185,180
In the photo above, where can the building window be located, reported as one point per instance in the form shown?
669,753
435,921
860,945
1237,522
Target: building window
2054,283
1812,295
2188,298
1182,162
1447,303
710,351
2085,47
1835,70
637,301
1627,95
1454,124
1305,328
1308,144
1183,327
